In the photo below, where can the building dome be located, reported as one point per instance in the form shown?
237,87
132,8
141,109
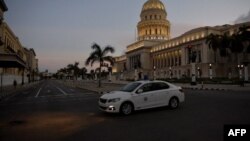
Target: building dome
153,4
153,24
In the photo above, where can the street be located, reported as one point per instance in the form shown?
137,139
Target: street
51,111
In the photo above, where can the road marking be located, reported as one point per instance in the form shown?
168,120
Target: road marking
61,91
38,92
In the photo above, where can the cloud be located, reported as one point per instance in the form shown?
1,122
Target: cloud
243,18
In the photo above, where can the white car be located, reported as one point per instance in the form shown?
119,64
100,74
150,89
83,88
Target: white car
141,95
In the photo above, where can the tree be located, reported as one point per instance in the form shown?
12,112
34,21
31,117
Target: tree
92,74
224,44
237,43
74,67
83,72
219,42
213,42
244,36
99,55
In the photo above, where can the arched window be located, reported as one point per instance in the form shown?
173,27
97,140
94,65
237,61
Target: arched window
155,16
146,17
150,17
156,31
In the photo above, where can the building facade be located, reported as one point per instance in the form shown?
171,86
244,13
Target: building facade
31,64
16,62
155,55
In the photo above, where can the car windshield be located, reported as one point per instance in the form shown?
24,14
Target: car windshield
130,87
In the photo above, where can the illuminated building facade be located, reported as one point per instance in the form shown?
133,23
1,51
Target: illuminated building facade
155,55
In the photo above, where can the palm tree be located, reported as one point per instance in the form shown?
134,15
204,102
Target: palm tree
83,72
92,74
224,44
244,35
100,55
243,40
219,42
214,43
236,45
74,67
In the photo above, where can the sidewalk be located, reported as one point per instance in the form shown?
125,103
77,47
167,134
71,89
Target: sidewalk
9,90
215,87
116,85
204,86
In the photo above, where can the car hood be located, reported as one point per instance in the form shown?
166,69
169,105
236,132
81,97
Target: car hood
116,94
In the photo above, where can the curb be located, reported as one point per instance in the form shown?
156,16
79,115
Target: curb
209,89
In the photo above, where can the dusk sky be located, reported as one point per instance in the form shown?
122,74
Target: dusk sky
62,31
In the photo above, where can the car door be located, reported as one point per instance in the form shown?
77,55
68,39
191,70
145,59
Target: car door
145,99
161,91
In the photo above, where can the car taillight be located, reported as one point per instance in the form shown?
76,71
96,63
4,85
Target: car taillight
181,90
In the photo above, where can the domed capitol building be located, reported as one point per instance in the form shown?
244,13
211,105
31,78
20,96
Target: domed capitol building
155,55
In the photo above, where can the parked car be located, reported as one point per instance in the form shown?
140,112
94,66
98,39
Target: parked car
141,95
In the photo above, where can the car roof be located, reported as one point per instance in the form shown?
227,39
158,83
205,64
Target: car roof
148,81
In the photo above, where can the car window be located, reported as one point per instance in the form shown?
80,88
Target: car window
147,87
160,86
130,87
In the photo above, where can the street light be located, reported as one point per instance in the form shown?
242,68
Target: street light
210,71
198,72
240,71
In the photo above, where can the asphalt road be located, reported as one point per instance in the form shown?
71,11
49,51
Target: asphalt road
50,111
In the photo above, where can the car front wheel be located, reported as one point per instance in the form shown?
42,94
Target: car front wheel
126,108
173,103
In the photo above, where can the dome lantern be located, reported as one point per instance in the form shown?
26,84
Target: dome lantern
153,24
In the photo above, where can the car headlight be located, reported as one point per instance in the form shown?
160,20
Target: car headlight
114,100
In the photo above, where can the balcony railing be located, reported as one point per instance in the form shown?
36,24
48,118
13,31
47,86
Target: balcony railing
11,60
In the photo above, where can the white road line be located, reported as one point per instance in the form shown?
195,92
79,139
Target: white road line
38,92
61,91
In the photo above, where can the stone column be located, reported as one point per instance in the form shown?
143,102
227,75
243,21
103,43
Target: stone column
23,76
136,75
246,72
193,82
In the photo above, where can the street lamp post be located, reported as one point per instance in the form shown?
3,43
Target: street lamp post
198,72
210,71
240,71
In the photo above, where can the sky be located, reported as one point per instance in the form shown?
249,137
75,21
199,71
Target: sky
62,31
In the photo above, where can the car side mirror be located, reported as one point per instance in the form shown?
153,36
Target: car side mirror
140,91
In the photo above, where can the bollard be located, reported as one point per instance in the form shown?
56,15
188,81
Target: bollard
202,84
